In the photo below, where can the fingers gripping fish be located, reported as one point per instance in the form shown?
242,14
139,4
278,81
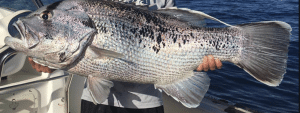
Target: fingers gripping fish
107,41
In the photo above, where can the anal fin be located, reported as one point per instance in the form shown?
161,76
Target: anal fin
190,91
99,88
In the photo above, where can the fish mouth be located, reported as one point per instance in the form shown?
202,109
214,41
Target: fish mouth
17,42
25,41
21,28
27,35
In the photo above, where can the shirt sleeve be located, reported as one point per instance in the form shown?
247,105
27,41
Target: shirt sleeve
165,3
153,4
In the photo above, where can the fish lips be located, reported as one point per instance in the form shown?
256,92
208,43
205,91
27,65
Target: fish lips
16,44
29,38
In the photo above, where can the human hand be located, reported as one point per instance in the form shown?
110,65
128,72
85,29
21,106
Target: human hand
209,62
39,67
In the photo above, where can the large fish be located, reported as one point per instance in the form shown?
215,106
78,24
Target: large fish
106,41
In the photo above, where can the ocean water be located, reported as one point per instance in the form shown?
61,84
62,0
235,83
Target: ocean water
232,83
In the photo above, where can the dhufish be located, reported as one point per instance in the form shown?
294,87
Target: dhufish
109,41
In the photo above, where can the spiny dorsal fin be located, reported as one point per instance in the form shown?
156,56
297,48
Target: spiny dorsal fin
195,18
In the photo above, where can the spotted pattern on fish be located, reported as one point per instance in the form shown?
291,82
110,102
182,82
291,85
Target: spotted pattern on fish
160,49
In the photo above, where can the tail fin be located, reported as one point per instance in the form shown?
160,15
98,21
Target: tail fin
264,50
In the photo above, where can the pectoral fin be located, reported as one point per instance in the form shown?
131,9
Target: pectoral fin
189,91
99,88
99,53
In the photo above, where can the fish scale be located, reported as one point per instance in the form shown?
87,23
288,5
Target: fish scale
150,65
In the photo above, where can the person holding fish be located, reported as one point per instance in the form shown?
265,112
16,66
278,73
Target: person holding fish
124,49
128,97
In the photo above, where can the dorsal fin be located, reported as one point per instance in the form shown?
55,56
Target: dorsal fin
194,18
135,3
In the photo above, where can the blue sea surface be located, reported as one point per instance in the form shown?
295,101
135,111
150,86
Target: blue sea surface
232,83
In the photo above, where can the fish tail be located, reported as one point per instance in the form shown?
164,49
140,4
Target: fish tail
264,50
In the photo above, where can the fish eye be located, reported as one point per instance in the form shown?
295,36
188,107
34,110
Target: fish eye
46,15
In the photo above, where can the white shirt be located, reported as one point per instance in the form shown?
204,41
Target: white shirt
130,95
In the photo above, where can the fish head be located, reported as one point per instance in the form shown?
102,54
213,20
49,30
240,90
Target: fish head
56,33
